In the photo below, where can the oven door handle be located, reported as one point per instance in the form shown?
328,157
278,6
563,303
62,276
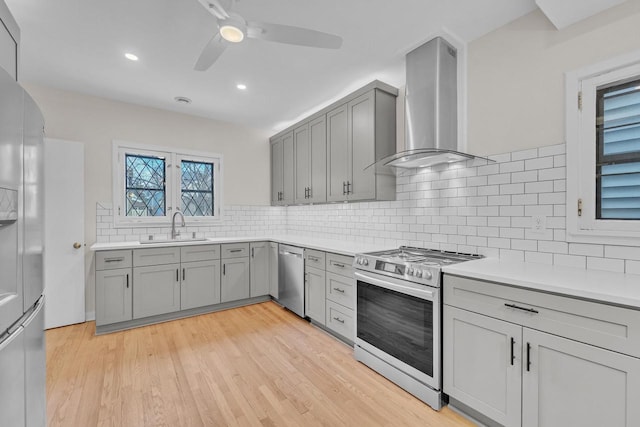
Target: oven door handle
424,292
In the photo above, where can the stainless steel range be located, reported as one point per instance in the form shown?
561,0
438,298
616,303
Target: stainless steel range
398,316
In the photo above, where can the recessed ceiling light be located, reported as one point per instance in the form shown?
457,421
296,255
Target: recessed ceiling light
182,100
241,86
131,56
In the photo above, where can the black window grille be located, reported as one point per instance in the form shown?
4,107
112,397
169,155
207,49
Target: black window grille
145,186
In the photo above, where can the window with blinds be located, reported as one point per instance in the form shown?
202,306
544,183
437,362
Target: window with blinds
618,152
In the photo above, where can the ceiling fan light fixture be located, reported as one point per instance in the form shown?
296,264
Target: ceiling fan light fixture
232,33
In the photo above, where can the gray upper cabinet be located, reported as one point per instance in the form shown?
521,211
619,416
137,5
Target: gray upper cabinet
310,142
282,170
332,151
9,41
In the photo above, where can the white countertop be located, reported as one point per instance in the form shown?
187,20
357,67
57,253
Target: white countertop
327,245
601,286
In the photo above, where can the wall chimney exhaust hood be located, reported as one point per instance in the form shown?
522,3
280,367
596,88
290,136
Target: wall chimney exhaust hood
431,110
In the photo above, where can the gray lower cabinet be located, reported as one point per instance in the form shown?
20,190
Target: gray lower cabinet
156,290
273,269
340,285
114,294
314,294
525,358
200,284
235,283
259,269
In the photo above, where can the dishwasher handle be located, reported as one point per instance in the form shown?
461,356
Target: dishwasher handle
291,253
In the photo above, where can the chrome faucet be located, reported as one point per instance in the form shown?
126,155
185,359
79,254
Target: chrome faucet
174,233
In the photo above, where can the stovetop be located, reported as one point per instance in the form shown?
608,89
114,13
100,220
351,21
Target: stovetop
417,265
432,257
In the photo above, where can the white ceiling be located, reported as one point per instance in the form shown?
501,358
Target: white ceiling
78,45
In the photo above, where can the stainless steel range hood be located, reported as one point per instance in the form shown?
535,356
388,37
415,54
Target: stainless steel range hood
431,110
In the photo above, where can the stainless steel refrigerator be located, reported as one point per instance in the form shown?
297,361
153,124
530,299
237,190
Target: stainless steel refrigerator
22,350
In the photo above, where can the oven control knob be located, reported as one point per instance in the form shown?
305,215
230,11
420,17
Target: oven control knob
359,261
410,271
418,273
365,261
427,274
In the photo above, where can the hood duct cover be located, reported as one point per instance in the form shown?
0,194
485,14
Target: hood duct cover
431,110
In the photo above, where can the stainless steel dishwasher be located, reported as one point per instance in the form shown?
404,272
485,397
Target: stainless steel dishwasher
291,278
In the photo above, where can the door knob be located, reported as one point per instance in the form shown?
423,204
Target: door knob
77,245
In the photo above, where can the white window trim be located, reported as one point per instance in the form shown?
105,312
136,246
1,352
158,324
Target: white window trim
172,156
581,153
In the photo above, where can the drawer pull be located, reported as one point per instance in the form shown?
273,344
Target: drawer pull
337,319
528,357
339,290
529,310
235,250
312,258
338,265
114,259
513,356
127,280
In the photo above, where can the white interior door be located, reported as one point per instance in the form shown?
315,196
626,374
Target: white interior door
64,233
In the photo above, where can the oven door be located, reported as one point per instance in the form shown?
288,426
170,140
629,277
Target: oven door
399,322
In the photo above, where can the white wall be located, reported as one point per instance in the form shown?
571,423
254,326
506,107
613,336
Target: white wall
516,75
97,121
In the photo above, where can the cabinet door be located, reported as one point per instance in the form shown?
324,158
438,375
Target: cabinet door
259,269
235,279
156,290
337,158
314,298
288,162
302,166
568,383
481,364
114,289
273,269
318,141
200,284
277,171
361,147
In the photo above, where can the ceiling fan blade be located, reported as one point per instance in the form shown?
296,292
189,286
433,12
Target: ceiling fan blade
211,53
215,8
292,35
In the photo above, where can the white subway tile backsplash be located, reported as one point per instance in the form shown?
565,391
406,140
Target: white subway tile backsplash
474,206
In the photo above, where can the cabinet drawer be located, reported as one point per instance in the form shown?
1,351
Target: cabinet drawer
199,253
340,264
612,327
235,250
314,258
340,289
155,256
111,260
340,320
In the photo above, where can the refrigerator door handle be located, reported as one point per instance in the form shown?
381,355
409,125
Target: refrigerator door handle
10,337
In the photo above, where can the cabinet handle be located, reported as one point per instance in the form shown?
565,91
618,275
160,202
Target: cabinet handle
337,319
184,275
224,269
312,258
177,274
235,250
528,357
348,187
127,280
344,188
338,265
339,290
252,252
114,259
513,356
529,310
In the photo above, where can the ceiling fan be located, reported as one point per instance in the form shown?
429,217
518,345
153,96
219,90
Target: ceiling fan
233,28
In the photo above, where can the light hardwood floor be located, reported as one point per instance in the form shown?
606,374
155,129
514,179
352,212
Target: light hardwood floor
252,366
